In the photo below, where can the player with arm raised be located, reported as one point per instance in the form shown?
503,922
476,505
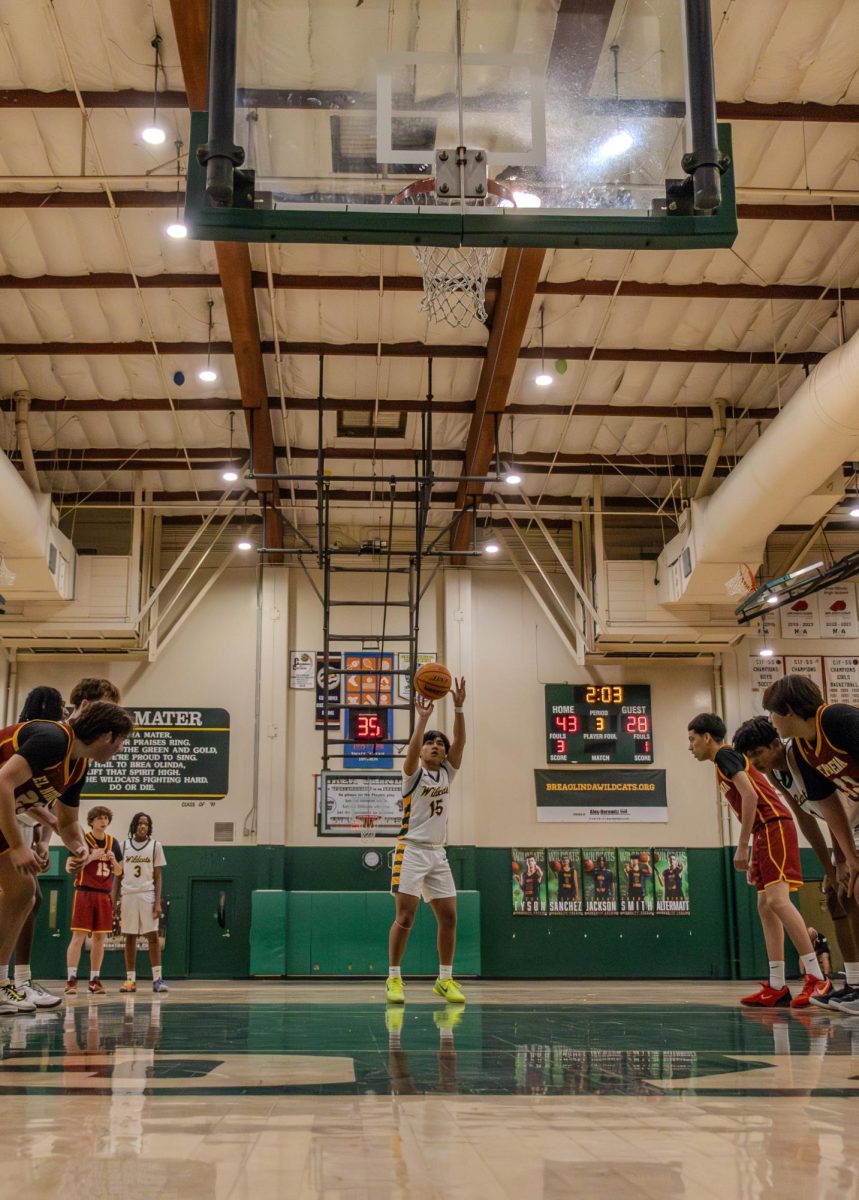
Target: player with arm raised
420,860
773,866
44,764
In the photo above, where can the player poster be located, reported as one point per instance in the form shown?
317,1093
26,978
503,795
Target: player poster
635,875
599,875
564,889
671,876
529,882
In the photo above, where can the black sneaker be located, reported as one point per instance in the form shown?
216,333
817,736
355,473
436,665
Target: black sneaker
846,1001
827,997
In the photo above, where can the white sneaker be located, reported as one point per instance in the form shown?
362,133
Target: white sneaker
36,993
12,1001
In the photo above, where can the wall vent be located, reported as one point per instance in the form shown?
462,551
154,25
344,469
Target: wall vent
225,831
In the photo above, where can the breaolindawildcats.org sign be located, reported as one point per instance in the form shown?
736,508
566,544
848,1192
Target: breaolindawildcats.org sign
173,754
585,795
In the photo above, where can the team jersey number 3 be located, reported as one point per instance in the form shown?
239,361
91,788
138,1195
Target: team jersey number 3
436,808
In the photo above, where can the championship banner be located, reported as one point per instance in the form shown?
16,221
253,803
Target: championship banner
583,795
599,872
564,882
328,690
635,873
671,875
529,882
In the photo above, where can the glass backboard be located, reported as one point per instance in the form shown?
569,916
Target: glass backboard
571,120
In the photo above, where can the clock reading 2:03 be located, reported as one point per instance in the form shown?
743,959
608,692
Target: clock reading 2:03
599,723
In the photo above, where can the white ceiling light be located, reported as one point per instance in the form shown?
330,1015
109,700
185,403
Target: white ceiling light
244,544
491,547
153,134
229,475
618,143
208,374
766,652
176,229
526,200
512,477
772,599
854,512
544,379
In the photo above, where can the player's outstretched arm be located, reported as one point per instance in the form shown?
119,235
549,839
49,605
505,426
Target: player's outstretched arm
423,711
72,835
457,745
12,774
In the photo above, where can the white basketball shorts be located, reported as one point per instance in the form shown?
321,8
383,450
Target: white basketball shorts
422,871
136,913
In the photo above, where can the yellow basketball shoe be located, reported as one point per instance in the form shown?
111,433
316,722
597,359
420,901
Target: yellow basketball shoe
449,990
394,1018
395,993
447,1018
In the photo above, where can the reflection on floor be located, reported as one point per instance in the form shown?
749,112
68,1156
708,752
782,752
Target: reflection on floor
542,1091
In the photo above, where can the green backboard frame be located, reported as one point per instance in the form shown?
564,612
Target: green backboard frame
393,226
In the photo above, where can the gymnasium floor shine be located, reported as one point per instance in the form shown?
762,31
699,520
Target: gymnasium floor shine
546,1090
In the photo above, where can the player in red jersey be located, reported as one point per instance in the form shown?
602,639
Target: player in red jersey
826,748
92,911
43,764
773,867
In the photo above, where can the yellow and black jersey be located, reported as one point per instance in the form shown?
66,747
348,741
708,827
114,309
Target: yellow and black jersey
426,795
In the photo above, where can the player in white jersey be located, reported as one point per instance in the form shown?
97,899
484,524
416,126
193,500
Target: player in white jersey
143,862
759,740
420,860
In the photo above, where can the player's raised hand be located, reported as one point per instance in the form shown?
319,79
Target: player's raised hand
423,708
458,692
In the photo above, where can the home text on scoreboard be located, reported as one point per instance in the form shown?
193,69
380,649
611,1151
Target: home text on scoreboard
599,723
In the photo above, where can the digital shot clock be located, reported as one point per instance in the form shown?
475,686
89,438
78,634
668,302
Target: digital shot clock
599,723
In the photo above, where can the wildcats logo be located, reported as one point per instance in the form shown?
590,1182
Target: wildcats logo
435,792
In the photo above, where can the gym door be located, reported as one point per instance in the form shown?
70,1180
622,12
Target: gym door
211,953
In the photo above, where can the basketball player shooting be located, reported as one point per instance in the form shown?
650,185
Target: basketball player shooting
420,860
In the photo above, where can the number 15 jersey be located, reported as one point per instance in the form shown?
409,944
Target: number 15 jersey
426,796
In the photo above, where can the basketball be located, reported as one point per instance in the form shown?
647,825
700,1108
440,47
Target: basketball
644,856
517,867
555,865
433,681
588,864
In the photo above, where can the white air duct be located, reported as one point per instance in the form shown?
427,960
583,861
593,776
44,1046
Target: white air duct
32,548
792,475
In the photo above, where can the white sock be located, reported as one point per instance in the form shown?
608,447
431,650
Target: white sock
4,974
781,1038
445,972
73,972
851,970
131,976
93,975
22,973
394,973
156,974
810,965
777,975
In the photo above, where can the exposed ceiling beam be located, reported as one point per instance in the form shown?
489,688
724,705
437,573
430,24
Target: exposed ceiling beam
191,26
661,412
417,350
315,98
628,289
67,198
519,277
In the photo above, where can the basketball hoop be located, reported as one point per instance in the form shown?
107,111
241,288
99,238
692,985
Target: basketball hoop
742,582
454,276
366,827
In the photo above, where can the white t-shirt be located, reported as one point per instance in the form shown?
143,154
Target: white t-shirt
426,795
792,782
139,863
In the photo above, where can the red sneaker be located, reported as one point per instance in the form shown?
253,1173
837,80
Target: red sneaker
769,997
812,987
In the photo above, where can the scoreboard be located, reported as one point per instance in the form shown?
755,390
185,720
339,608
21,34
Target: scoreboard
598,723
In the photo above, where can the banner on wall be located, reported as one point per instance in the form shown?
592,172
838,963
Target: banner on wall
671,871
842,680
564,889
810,665
328,690
599,795
801,619
763,672
635,874
369,679
404,681
302,667
529,882
173,754
599,873
838,618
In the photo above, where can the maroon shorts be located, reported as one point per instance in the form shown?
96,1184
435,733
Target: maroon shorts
775,856
92,912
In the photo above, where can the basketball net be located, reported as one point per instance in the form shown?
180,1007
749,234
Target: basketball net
742,582
454,276
366,827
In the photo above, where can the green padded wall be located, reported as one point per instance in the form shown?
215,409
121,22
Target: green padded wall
268,932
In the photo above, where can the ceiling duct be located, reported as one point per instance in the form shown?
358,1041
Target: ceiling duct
32,548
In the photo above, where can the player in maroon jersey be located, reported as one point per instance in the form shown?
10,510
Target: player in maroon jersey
826,749
43,764
92,911
773,866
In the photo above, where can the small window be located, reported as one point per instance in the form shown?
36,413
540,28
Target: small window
362,425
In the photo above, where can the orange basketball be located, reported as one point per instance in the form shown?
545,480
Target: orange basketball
555,865
517,867
433,681
644,857
588,864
